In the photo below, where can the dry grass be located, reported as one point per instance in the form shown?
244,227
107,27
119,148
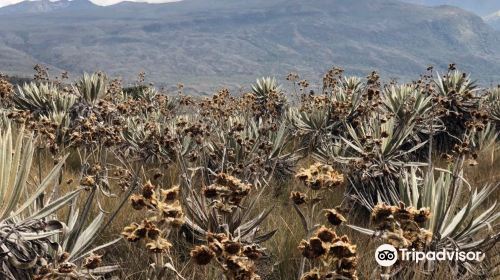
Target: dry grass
283,258
282,261
229,159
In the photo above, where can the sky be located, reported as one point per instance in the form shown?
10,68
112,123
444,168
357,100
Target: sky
98,2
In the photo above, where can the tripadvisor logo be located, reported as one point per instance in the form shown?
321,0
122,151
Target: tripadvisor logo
387,255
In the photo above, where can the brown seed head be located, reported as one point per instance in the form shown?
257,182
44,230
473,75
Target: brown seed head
202,255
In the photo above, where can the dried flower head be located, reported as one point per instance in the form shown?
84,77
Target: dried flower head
229,192
170,195
325,234
138,202
231,247
319,176
129,232
6,88
87,181
211,191
298,197
397,239
160,245
148,190
202,255
401,225
253,252
381,212
334,217
422,215
92,261
241,268
402,213
343,248
336,257
313,274
66,268
313,248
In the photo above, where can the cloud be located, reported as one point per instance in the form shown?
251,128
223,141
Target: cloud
8,2
97,2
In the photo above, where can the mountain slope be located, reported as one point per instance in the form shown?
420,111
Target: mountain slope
212,42
493,20
45,6
480,7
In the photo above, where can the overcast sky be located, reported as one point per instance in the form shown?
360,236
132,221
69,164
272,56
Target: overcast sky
98,2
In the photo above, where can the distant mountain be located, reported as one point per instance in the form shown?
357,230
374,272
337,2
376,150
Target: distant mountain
488,9
44,6
480,7
209,43
493,20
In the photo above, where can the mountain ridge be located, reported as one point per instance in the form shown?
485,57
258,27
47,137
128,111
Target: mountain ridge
220,42
480,7
493,20
44,6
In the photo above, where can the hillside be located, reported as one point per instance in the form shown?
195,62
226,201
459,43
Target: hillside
36,7
214,42
480,7
493,20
